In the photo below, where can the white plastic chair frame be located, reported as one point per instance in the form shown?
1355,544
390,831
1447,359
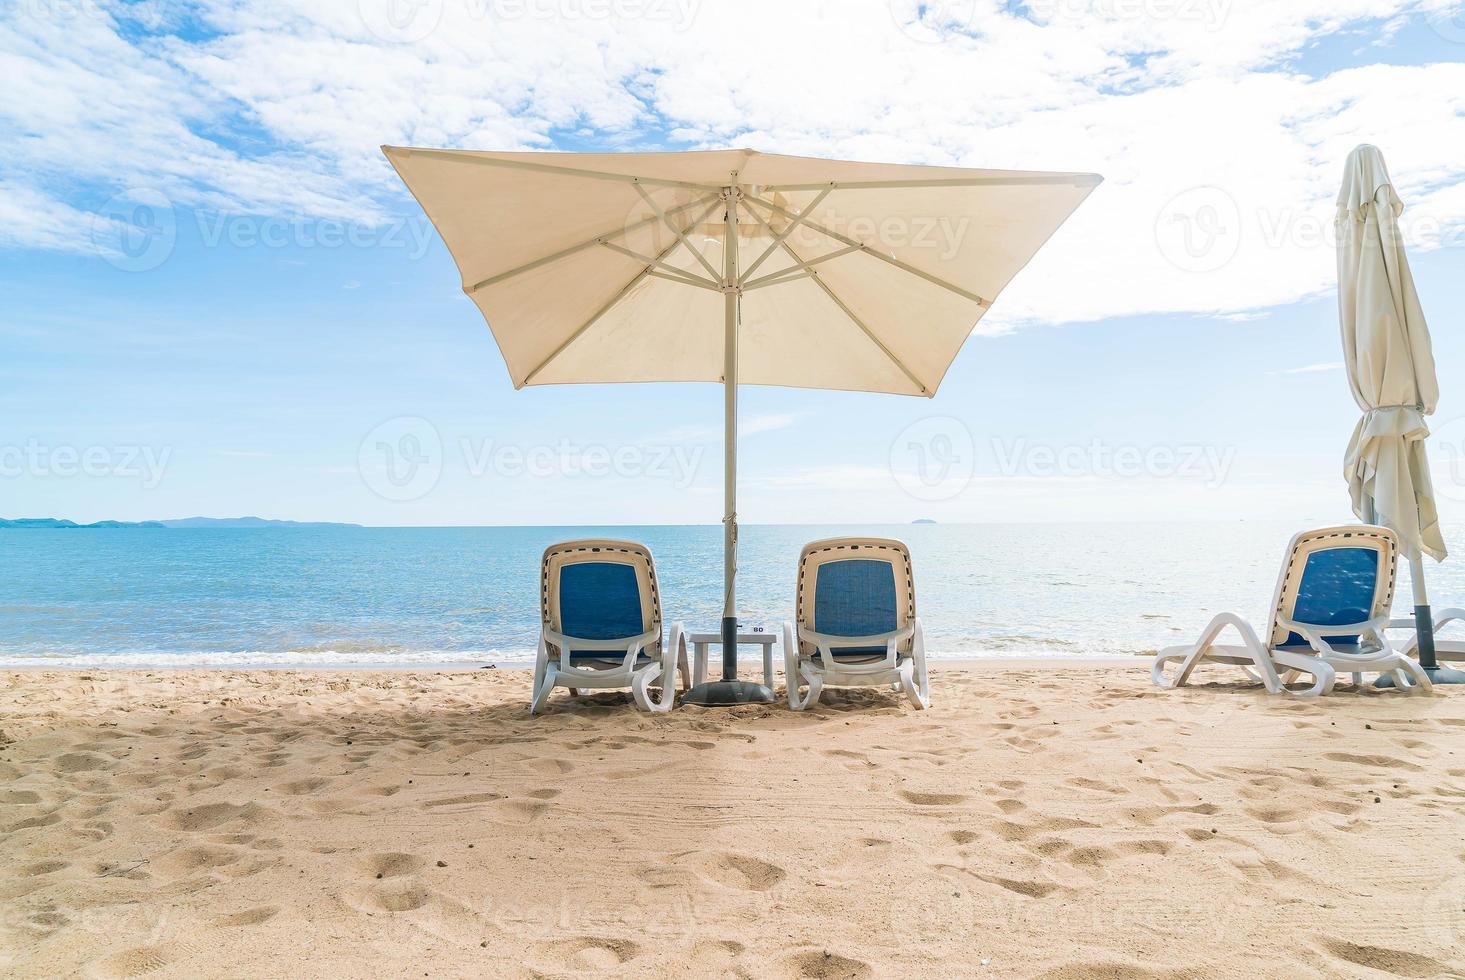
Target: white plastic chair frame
810,661
553,666
1445,651
1277,668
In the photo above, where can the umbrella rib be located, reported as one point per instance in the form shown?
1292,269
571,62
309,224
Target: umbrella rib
622,294
588,243
860,323
669,271
783,236
1025,180
458,156
888,259
681,235
783,275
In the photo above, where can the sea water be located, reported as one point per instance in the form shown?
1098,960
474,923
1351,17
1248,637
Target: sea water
348,596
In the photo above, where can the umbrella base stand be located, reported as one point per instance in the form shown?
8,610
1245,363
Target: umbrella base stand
1424,628
1437,675
723,694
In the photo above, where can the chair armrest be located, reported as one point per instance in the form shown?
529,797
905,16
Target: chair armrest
631,645
1447,616
826,642
1314,635
876,639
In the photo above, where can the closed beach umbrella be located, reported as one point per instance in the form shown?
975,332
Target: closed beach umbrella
1391,370
732,266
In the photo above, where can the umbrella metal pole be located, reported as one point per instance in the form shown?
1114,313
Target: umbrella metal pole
1424,633
1423,618
729,690
730,442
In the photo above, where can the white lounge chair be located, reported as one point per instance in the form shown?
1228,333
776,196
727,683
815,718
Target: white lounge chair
856,621
1329,613
601,625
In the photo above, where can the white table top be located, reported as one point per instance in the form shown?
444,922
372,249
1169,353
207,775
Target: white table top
766,638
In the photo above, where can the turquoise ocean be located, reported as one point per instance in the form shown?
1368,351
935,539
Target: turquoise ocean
348,596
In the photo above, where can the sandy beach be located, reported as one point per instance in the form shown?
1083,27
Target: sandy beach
1057,821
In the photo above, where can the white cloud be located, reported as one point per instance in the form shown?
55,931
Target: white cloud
1221,159
1312,368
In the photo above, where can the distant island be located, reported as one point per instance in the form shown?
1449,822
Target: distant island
56,523
49,523
248,522
923,520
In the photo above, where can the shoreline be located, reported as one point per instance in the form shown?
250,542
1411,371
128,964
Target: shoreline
935,661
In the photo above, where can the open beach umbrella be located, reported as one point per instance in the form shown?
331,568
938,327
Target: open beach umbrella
1386,349
732,266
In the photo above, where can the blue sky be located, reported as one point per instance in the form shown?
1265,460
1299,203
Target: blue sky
219,300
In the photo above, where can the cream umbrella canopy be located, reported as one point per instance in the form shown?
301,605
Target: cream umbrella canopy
732,266
1386,348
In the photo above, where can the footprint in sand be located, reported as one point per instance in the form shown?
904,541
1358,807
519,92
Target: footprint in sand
210,815
591,953
389,895
302,787
392,864
1395,961
1031,889
524,809
18,797
188,860
135,962
716,957
380,790
739,871
249,917
467,800
931,799
1371,761
821,964
80,762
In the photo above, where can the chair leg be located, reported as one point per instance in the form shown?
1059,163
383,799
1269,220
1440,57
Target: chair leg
914,678
908,684
541,694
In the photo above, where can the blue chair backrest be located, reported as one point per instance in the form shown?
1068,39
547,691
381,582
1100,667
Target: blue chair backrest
1337,587
855,597
600,600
